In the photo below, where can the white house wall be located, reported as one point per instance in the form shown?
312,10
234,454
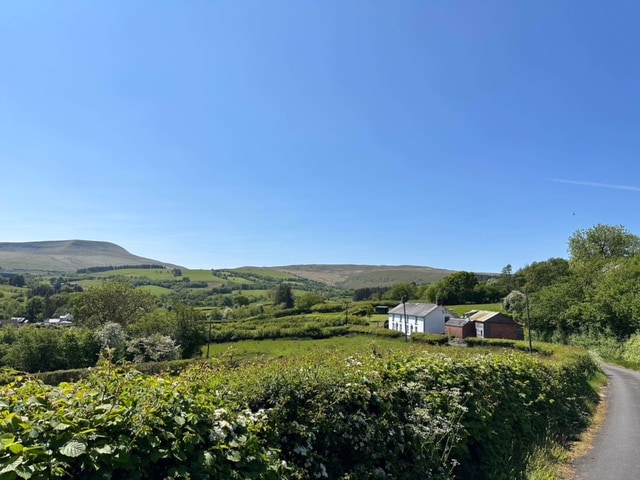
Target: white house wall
432,323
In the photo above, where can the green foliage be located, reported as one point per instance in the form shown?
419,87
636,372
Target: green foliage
309,300
400,290
283,296
538,275
365,416
154,348
327,307
117,302
605,345
603,242
459,287
631,350
120,424
429,338
516,304
189,331
111,336
32,349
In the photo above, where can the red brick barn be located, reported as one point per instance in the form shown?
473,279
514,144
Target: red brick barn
459,328
495,325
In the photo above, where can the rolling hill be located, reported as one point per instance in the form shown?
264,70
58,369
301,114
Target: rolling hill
66,256
361,276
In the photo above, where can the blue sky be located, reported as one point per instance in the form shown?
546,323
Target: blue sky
465,135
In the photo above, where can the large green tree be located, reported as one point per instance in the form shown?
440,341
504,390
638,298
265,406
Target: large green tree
603,242
117,302
189,331
457,288
537,275
283,296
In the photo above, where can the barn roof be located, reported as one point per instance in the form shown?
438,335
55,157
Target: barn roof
456,322
485,315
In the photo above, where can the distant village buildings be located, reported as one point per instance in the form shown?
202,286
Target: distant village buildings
62,320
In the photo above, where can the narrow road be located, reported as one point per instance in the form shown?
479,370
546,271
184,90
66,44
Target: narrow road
616,449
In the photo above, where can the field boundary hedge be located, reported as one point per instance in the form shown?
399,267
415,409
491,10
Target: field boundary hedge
367,416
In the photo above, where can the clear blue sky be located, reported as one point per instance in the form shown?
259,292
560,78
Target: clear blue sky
465,135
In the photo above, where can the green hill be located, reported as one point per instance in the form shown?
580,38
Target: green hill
66,256
360,276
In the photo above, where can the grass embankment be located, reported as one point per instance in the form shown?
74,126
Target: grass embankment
361,413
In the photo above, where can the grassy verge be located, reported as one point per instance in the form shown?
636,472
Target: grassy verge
553,460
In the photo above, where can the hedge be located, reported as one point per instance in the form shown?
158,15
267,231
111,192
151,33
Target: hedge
402,416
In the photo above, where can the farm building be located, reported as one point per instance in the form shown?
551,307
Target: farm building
420,317
460,328
494,325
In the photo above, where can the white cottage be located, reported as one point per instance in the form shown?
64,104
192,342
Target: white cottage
420,317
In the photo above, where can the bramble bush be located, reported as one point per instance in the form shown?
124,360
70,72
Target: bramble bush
400,415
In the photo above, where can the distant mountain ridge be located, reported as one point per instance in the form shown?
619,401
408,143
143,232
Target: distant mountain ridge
67,256
361,276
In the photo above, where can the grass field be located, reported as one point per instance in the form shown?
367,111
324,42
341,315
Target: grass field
10,289
150,273
462,309
264,272
284,348
155,289
200,275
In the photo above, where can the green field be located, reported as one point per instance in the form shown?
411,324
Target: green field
265,272
462,309
159,274
201,275
284,348
9,289
155,290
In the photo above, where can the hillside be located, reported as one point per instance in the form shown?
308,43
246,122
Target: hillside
71,255
360,276
66,256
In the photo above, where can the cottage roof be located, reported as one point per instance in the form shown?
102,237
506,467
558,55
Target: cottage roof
415,309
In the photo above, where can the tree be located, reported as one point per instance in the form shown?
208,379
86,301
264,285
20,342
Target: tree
603,242
17,281
154,348
457,288
516,304
283,296
542,274
112,337
400,290
240,300
558,310
117,302
35,308
308,300
506,277
189,331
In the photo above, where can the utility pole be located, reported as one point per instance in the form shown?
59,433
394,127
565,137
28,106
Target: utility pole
404,307
209,336
526,296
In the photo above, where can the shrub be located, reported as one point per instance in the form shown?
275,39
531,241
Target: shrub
154,348
403,415
430,338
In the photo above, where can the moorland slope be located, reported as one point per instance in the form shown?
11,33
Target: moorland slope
66,256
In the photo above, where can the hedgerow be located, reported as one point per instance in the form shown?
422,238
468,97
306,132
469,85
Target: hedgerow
429,338
402,415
